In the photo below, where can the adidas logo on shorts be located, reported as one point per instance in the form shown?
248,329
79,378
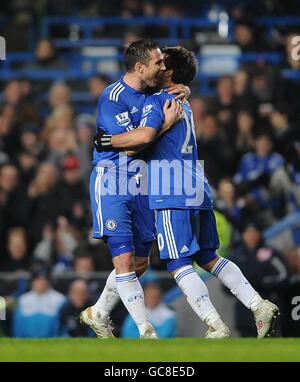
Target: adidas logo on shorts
184,249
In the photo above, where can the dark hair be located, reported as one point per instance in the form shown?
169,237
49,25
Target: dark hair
138,51
183,63
39,269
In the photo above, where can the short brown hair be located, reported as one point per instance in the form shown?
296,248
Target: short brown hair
183,63
138,51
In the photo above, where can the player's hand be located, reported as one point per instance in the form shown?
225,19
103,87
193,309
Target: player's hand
102,141
181,90
172,112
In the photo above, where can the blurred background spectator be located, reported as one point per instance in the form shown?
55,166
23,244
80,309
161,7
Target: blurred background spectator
16,258
37,312
268,272
78,300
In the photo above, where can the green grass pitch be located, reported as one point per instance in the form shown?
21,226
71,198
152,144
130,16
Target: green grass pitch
180,349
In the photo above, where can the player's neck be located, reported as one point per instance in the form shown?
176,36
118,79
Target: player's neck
167,83
131,80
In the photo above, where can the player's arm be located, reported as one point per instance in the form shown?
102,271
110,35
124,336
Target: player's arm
182,91
113,118
141,137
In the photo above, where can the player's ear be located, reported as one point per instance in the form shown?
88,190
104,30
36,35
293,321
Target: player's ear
139,67
168,74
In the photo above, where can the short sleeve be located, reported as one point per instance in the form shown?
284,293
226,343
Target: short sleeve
153,115
113,117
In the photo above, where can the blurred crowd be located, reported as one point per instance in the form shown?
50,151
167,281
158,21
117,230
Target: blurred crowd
22,19
248,137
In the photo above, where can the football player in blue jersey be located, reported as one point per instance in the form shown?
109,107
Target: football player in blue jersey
124,218
186,226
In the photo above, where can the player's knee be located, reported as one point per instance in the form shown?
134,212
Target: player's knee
124,263
141,265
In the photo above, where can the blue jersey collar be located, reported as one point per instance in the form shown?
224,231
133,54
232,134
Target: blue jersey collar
129,88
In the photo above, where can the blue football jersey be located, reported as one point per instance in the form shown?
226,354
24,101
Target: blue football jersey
119,209
119,110
176,177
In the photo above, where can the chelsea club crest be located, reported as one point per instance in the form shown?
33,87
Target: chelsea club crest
111,224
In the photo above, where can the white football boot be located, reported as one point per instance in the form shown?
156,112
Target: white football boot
265,316
102,328
221,331
148,332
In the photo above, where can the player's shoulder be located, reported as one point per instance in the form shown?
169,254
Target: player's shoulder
159,98
113,92
163,94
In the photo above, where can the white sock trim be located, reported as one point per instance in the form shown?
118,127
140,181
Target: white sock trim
182,272
126,277
232,277
220,264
